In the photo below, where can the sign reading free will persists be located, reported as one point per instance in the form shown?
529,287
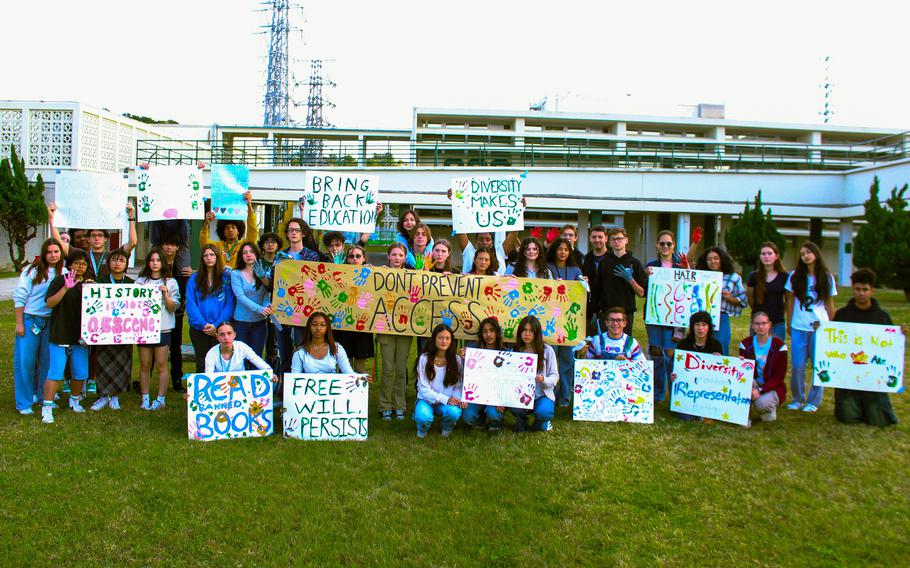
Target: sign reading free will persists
325,406
224,406
857,356
114,314
338,201
481,204
712,386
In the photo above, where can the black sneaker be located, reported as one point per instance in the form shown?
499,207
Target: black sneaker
135,386
178,386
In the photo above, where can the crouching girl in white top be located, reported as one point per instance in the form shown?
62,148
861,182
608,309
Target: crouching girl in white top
230,355
439,371
318,352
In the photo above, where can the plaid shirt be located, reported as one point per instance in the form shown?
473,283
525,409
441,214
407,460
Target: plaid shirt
733,283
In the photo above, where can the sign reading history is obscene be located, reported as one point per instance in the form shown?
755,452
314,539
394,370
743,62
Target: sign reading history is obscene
411,302
712,386
858,356
226,406
481,204
499,378
674,294
322,406
229,183
90,201
169,192
338,201
114,314
614,391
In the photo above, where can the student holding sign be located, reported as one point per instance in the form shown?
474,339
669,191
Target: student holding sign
484,263
357,344
319,353
620,278
531,262
733,293
407,229
660,337
529,339
230,232
95,243
563,266
700,339
421,252
115,362
230,355
614,343
254,304
770,356
439,372
209,301
395,349
441,258
490,337
156,272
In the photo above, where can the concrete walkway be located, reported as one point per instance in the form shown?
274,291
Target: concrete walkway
7,286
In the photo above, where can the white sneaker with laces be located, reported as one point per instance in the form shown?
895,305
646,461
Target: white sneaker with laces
101,403
145,403
157,404
794,405
115,403
47,414
75,405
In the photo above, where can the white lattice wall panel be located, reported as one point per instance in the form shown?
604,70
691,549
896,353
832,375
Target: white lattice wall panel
107,156
88,141
126,147
10,131
50,138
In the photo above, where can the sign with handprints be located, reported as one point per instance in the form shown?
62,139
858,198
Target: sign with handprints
229,183
91,200
674,294
712,386
225,406
169,192
614,391
412,302
338,201
858,356
115,314
481,204
499,378
324,406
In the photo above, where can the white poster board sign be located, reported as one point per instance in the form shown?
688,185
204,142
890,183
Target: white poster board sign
227,406
169,192
499,378
858,356
487,204
322,406
115,314
87,200
674,294
614,391
338,201
712,386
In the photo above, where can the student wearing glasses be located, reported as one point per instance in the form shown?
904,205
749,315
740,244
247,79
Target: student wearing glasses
620,278
660,337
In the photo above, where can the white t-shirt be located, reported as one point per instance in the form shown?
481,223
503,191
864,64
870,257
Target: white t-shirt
805,315
467,256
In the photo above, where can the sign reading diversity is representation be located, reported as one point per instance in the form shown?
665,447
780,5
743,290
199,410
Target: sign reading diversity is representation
169,192
859,356
325,406
89,200
499,378
338,201
614,391
712,386
412,302
224,406
481,204
229,183
674,294
115,314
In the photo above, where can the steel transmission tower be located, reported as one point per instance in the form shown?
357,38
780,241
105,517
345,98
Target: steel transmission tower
827,112
277,95
312,147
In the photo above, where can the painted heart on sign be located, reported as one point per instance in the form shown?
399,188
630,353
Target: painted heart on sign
222,209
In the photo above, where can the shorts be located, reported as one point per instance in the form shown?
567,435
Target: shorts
165,341
77,356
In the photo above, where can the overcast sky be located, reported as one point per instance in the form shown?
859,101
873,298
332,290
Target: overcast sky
201,62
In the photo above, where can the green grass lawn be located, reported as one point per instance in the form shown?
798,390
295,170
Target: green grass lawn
128,488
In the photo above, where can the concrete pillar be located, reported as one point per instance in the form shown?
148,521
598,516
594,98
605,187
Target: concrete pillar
583,226
845,252
717,133
649,229
519,127
362,154
683,232
813,139
619,130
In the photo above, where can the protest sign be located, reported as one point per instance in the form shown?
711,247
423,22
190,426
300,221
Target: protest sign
224,406
481,204
324,406
712,386
858,356
499,378
90,201
337,201
169,192
412,302
114,314
674,294
229,183
613,391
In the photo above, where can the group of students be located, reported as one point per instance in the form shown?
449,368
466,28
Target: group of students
227,301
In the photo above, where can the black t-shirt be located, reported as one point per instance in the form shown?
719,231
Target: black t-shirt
106,279
66,317
711,346
773,302
611,290
94,260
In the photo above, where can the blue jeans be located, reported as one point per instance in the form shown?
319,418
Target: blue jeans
252,333
543,412
31,359
660,339
802,345
565,358
473,415
724,334
424,413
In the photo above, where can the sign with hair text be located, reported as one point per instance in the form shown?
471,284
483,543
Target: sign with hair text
712,386
169,192
229,183
338,201
614,391
87,200
226,406
413,302
674,294
499,378
858,356
120,314
481,204
326,406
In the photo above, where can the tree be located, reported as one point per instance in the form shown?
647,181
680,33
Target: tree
882,244
22,208
746,234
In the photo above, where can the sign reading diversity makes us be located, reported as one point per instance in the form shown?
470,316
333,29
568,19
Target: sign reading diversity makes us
859,356
337,201
325,406
674,294
169,192
712,386
614,391
229,183
499,378
223,406
89,200
481,204
115,314
412,302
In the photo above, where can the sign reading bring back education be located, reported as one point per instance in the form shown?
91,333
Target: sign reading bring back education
712,386
858,356
481,204
114,314
337,201
322,406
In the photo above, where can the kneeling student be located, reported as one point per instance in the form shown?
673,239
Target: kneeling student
770,356
439,372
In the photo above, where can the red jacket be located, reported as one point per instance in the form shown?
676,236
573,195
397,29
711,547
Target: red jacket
775,365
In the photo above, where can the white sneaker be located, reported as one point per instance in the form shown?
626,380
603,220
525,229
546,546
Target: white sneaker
115,403
47,414
75,406
157,404
794,405
101,403
145,403
26,411
446,433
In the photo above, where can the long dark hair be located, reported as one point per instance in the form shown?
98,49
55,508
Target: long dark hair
146,272
202,277
700,317
538,346
761,274
308,335
726,262
494,262
554,246
799,281
497,329
42,268
409,235
521,263
241,264
452,370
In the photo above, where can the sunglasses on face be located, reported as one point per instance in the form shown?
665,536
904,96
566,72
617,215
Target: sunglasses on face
665,244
